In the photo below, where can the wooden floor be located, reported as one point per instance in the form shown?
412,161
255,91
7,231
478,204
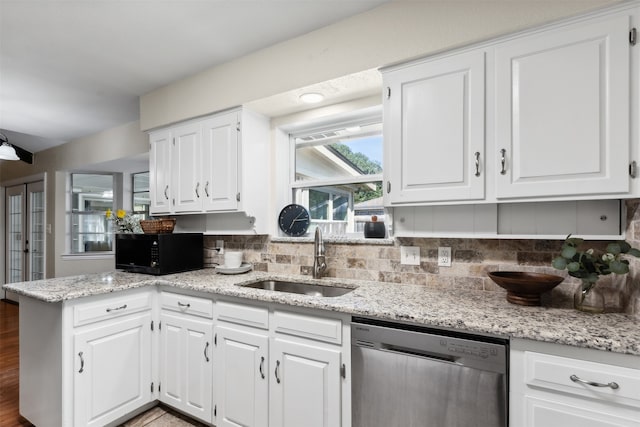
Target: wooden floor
9,415
159,416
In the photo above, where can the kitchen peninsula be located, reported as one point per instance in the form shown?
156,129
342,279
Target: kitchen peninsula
59,316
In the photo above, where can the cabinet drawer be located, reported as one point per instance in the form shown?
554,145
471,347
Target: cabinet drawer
110,308
302,325
556,373
187,304
257,317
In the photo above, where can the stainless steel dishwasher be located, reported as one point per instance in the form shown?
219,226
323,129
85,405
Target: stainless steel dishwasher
411,376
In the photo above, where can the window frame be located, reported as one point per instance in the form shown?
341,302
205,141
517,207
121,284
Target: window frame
76,213
296,187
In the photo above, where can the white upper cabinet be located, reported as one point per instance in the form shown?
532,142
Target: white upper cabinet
160,185
562,111
220,162
187,166
539,116
215,164
434,130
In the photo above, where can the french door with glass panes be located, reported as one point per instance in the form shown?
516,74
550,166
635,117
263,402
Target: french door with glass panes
24,233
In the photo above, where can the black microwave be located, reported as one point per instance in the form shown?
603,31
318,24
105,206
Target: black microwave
159,253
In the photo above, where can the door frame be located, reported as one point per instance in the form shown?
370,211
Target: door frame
41,177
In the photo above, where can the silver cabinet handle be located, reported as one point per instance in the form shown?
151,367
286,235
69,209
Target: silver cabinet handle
122,307
206,189
198,190
388,187
277,371
166,196
477,154
577,379
81,363
503,161
262,367
633,169
183,305
206,347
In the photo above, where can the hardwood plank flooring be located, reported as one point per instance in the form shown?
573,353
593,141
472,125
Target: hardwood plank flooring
159,416
9,361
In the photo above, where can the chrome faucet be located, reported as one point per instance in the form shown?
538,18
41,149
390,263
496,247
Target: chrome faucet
319,262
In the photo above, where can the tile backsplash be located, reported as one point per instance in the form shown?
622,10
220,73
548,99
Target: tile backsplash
471,260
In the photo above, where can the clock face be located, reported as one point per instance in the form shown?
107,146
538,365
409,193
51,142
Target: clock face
294,220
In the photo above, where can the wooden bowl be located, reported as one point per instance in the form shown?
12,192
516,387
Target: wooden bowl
525,288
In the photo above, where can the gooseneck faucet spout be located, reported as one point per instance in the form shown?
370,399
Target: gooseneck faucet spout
319,262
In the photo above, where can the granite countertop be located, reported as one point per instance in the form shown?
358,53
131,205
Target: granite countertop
472,311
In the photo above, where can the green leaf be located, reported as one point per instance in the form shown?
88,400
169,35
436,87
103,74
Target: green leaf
635,252
624,246
619,267
559,263
573,266
568,252
614,248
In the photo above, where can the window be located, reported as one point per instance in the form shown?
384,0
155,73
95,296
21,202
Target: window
338,174
140,195
91,197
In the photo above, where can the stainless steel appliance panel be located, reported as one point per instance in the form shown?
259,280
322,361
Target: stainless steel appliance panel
410,378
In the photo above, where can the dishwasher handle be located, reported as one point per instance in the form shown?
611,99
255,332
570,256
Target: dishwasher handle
410,352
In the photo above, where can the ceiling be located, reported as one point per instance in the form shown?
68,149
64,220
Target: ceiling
71,68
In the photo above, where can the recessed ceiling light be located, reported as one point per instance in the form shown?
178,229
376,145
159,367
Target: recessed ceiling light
311,97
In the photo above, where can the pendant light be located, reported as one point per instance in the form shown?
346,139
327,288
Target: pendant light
7,152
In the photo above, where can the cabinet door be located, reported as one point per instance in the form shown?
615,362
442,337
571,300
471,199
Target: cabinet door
220,162
112,370
434,130
186,366
187,168
160,184
242,385
305,385
562,111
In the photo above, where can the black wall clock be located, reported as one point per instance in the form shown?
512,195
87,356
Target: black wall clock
294,220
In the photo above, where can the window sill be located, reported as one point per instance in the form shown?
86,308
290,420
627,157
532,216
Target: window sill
344,240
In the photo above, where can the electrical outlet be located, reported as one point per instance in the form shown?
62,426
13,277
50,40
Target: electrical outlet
444,256
410,255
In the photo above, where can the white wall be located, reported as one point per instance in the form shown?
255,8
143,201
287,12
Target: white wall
390,33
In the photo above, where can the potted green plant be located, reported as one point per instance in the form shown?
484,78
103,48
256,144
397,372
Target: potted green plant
588,265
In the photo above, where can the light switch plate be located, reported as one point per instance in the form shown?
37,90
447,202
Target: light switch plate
444,256
410,255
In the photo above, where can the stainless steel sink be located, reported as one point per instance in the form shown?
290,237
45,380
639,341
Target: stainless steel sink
300,288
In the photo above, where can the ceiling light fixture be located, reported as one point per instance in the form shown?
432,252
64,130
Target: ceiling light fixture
311,97
7,152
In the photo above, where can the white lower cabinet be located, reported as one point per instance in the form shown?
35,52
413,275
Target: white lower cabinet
306,385
551,385
271,373
113,369
186,363
242,386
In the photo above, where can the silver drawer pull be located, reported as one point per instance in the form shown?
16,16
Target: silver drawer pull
183,305
262,367
206,347
577,379
477,155
81,363
109,310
